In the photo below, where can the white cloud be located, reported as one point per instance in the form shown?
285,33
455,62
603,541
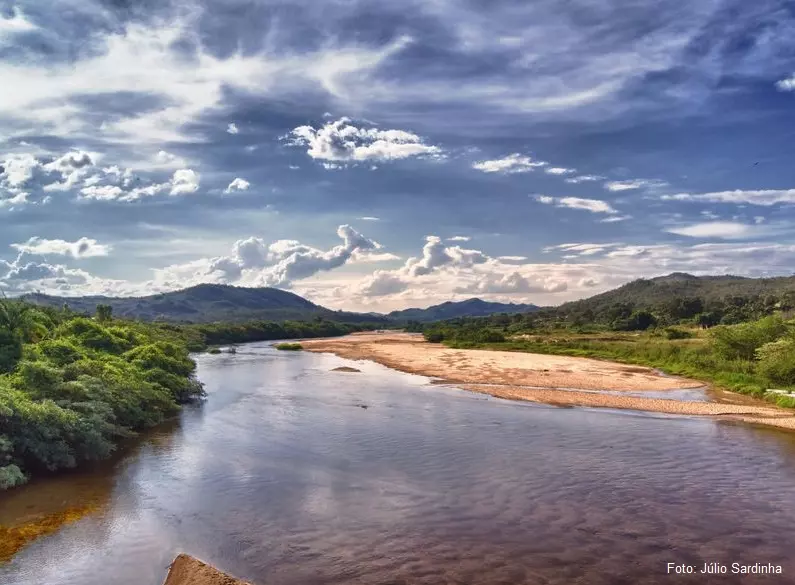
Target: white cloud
232,128
513,163
368,218
17,169
102,192
634,184
73,167
584,179
237,184
254,262
435,255
341,141
82,248
382,283
713,229
787,84
49,97
592,205
511,283
15,201
558,171
459,239
14,24
762,197
615,218
184,181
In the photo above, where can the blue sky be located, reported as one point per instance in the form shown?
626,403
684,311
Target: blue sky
378,155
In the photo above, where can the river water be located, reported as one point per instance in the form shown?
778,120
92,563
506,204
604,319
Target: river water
284,477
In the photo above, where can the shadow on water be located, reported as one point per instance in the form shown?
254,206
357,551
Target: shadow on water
284,478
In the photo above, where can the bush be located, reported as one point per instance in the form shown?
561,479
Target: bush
433,336
10,350
289,346
675,333
11,476
741,341
777,362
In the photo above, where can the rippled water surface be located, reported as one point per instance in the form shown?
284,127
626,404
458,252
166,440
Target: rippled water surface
283,477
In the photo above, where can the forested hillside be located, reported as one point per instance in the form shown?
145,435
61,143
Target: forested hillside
208,303
467,308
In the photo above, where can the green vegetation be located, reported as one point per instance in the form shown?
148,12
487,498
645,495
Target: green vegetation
72,387
289,346
206,303
748,357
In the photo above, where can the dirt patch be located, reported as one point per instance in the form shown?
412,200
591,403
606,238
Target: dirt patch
186,570
346,369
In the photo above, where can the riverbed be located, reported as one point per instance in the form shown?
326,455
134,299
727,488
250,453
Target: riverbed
291,474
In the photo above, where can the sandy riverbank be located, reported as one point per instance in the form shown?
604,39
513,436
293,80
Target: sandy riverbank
551,379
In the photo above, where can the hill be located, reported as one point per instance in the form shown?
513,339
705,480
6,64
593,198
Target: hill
207,303
679,296
452,310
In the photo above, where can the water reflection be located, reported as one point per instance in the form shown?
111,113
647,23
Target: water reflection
282,478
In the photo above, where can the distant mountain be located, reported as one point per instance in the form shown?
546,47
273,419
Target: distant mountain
208,303
451,310
648,293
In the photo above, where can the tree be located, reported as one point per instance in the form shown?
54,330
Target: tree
104,313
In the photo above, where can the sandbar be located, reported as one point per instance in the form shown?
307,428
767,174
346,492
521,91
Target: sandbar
549,379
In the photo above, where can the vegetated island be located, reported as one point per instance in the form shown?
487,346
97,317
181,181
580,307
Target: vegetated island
563,380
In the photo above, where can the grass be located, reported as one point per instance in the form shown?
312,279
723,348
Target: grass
289,346
692,358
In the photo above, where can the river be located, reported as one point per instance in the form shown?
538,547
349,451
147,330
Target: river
293,474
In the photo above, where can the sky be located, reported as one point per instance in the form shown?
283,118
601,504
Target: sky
374,155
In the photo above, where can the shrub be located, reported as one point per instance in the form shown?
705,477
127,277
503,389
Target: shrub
10,350
433,336
675,333
289,346
777,362
742,341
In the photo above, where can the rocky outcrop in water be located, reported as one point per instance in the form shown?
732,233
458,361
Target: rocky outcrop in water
186,570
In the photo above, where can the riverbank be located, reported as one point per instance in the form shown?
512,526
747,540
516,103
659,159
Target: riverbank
550,379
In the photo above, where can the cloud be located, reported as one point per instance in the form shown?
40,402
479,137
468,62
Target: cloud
341,141
14,201
382,283
237,184
713,229
254,262
435,255
592,205
511,284
184,181
368,218
17,169
558,171
459,239
82,248
787,84
764,197
14,24
615,218
72,167
584,179
634,184
511,164
232,128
